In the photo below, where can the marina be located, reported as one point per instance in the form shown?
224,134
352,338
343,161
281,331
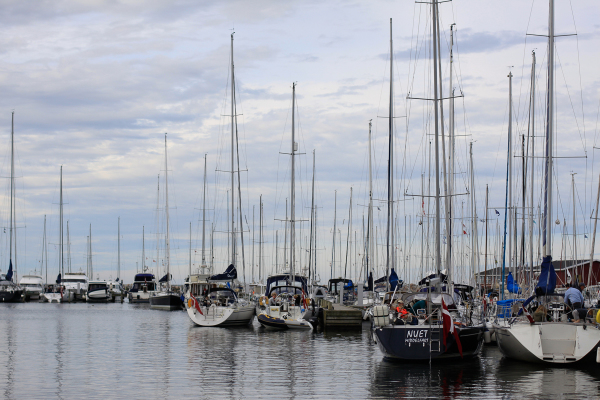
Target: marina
381,229
72,355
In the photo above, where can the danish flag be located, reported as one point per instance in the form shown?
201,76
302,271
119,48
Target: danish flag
449,328
196,304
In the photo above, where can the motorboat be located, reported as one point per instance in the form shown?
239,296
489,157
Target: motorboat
33,287
98,292
115,289
53,293
143,286
75,286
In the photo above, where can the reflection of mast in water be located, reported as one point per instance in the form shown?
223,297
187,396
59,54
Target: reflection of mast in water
60,345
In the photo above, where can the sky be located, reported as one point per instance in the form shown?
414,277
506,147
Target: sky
95,85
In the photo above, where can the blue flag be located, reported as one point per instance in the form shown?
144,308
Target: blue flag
497,213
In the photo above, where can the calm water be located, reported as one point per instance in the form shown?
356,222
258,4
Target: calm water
129,351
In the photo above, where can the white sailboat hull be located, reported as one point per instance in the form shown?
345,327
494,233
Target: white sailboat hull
552,342
221,316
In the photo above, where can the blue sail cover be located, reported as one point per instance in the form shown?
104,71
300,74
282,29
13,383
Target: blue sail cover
229,274
349,285
547,281
511,285
370,282
166,278
9,274
58,280
393,279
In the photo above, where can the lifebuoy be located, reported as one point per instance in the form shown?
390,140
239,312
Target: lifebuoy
190,303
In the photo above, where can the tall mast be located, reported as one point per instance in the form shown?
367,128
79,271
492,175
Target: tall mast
312,218
438,252
292,189
334,228
390,253
158,272
91,265
509,211
118,247
232,249
190,266
45,252
143,250
474,244
370,213
451,145
547,233
167,245
574,223
12,229
68,248
260,220
589,280
486,233
532,161
62,269
204,216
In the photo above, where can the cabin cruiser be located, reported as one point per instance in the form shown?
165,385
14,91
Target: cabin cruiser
98,292
115,289
33,287
53,294
75,286
210,301
143,285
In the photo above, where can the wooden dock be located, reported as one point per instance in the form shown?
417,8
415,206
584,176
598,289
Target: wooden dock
339,316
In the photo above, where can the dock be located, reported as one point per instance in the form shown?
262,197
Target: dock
333,315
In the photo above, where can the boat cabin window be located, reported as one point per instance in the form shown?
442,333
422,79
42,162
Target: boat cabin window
292,290
96,286
137,286
74,280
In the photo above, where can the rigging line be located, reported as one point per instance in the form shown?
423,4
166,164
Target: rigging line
278,194
571,101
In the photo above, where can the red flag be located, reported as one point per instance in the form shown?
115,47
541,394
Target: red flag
449,327
464,232
527,314
196,304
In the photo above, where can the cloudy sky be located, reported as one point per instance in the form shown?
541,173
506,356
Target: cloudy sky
96,84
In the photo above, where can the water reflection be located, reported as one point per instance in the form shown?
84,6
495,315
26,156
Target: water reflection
122,350
10,336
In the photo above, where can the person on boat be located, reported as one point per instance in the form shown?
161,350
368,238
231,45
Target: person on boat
419,305
272,300
403,315
574,300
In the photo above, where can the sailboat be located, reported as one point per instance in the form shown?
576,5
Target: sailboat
55,293
10,291
552,339
287,301
166,299
427,337
210,300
